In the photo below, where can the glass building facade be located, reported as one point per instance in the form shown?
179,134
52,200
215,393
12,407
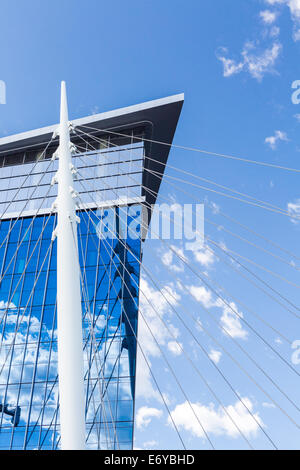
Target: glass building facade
110,195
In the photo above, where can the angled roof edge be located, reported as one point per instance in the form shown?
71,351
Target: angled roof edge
32,137
158,117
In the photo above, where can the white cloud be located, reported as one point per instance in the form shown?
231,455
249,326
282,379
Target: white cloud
260,56
203,295
145,414
268,405
144,385
256,62
162,305
294,6
273,140
293,209
149,445
215,420
268,17
215,207
168,259
231,322
261,63
7,306
230,66
175,347
202,255
231,317
154,305
295,13
215,355
274,31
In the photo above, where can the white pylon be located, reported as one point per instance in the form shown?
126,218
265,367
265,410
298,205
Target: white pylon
69,315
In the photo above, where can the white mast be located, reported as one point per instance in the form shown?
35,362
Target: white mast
69,315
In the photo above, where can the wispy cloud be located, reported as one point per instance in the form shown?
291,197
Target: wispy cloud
274,31
268,17
168,259
293,209
145,415
273,140
253,60
230,66
230,319
203,255
268,405
294,7
149,445
175,347
215,355
203,295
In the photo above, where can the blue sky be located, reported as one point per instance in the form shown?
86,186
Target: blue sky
235,61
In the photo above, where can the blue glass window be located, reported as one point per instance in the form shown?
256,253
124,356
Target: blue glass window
29,380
